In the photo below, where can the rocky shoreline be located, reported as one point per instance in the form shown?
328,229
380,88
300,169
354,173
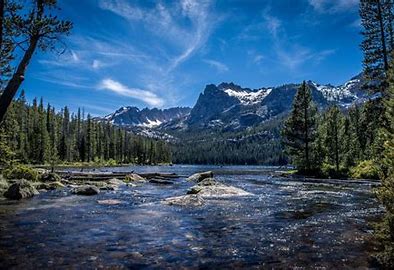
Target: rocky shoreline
90,184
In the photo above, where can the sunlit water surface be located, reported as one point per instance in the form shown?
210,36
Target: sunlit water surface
285,223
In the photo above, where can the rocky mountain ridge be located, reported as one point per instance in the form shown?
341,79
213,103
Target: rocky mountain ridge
228,106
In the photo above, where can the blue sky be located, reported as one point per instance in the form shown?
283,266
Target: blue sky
162,53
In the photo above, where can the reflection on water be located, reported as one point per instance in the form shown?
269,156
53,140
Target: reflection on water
286,223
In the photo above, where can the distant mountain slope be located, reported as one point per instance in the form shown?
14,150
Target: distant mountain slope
148,118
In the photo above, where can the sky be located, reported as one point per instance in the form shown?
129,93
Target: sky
162,53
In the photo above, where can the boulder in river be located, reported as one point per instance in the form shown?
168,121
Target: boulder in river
50,177
21,189
50,186
133,177
114,184
198,177
185,200
209,187
86,190
109,202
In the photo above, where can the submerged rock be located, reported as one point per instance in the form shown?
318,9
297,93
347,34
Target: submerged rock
198,177
209,187
109,202
86,190
186,200
133,177
21,189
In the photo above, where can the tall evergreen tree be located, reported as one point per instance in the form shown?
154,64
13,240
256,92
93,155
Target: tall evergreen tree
386,191
376,19
334,136
299,132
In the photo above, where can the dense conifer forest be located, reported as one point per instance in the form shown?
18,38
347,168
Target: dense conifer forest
38,134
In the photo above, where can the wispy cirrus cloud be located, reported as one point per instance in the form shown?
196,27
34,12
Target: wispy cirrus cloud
167,22
290,54
334,6
120,89
219,66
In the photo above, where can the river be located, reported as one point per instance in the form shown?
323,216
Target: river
286,223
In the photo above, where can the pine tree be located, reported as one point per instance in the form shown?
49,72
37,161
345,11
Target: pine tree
376,19
299,132
386,191
334,136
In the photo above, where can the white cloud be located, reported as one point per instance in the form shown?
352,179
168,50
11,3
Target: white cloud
165,22
97,64
334,6
120,89
272,23
218,65
289,53
176,30
258,58
356,24
297,56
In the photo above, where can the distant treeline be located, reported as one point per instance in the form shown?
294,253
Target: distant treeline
257,146
37,134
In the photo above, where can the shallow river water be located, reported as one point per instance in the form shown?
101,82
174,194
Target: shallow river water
285,224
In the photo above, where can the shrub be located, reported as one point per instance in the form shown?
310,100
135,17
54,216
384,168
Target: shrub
366,169
111,162
21,172
328,170
3,185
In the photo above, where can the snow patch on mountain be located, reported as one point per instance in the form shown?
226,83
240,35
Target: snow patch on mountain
249,97
340,93
151,123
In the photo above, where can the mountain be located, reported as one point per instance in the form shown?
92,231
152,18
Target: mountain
145,118
228,107
230,124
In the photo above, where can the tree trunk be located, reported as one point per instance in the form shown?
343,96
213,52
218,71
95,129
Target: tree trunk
17,79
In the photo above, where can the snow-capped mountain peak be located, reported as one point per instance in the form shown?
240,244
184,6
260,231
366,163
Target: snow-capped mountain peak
344,94
249,97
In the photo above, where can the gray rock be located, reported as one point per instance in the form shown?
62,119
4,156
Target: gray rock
133,177
50,186
112,184
198,177
21,189
186,200
211,188
50,177
86,190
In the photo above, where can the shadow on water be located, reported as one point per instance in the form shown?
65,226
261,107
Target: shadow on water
284,224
